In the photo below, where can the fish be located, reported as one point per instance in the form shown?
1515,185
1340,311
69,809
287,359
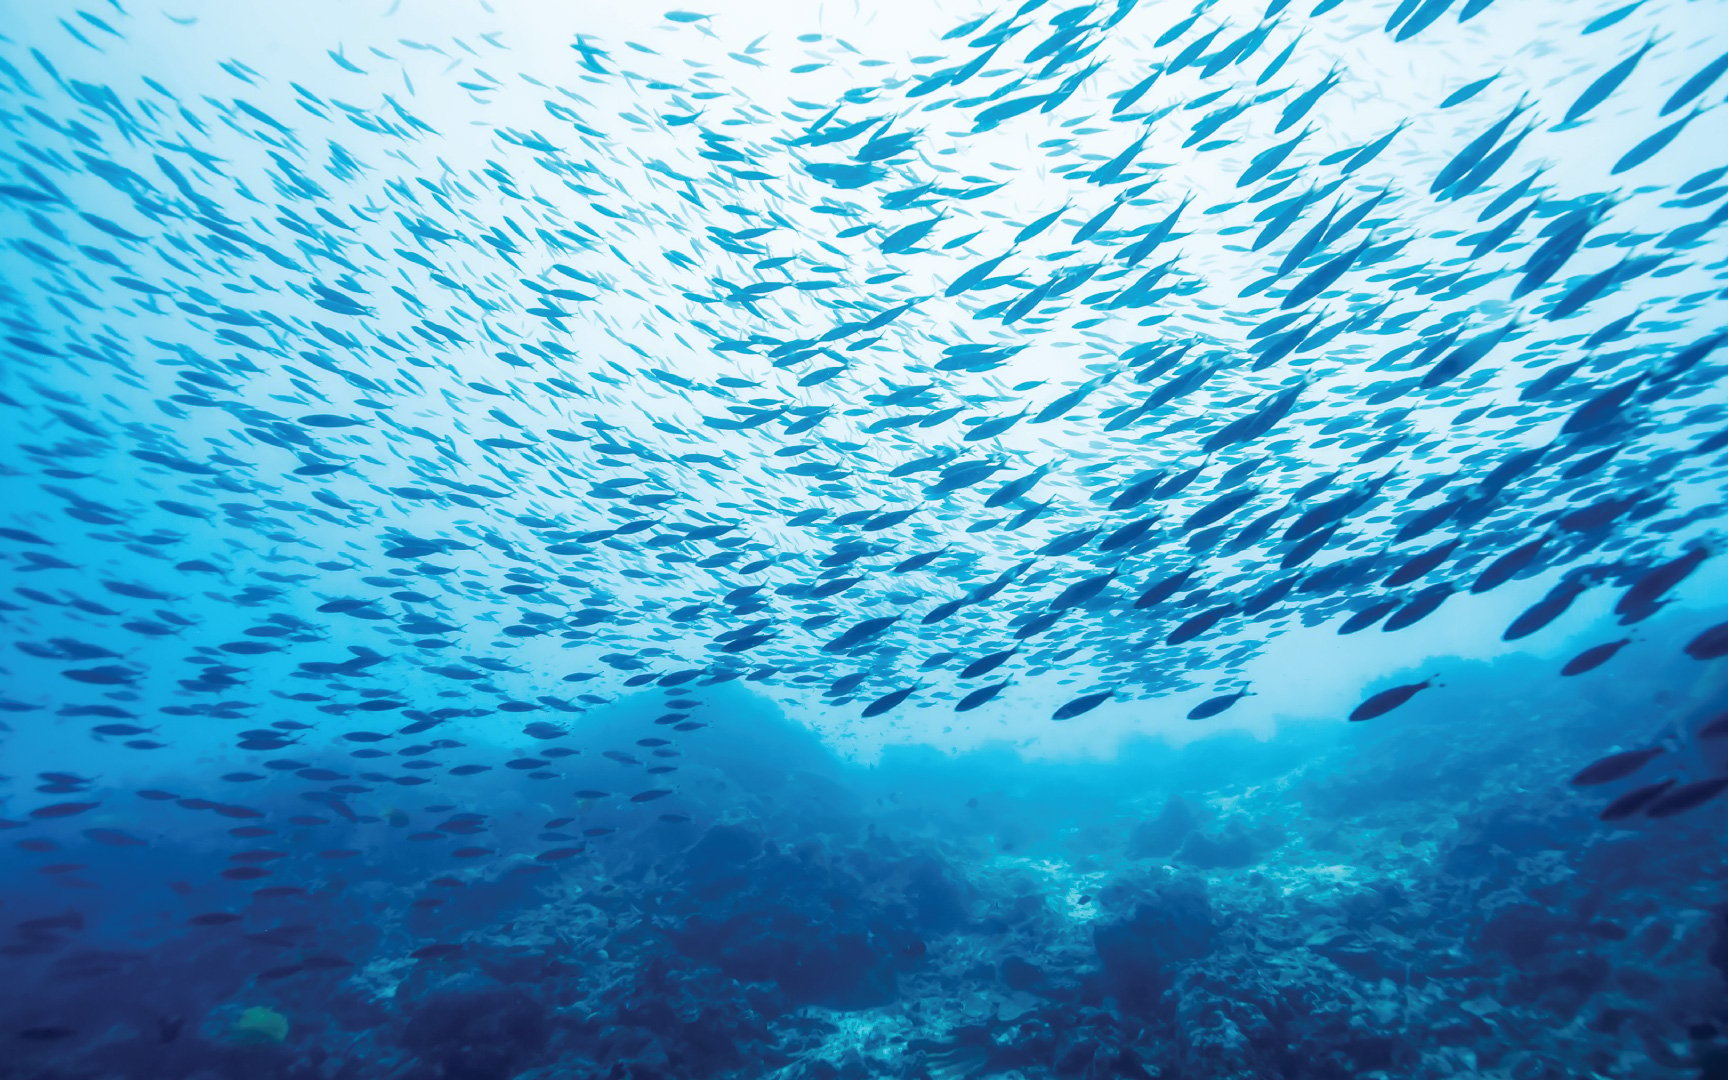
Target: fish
371,448
1685,797
1615,767
1081,705
1606,83
1594,657
1697,84
1634,801
1709,644
1213,706
1385,701
1545,610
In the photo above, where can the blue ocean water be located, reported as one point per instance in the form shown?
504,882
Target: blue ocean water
923,540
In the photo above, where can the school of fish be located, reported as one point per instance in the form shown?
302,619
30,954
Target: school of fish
330,421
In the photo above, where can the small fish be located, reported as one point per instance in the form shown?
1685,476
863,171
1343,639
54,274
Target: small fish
1213,706
1082,705
45,1033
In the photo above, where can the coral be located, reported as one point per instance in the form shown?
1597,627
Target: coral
259,1026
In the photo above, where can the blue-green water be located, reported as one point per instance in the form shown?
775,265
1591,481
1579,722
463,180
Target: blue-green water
801,541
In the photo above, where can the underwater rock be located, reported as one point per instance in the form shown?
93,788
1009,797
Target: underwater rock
1717,956
1230,848
1161,836
851,1067
476,1032
1362,958
824,931
938,902
1233,1022
1170,924
1520,932
812,963
1566,988
658,1016
1019,973
716,861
